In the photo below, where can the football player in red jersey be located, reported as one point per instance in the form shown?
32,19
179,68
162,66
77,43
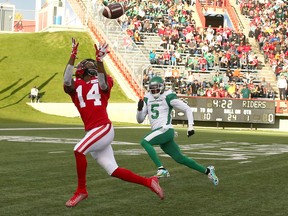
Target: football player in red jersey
90,92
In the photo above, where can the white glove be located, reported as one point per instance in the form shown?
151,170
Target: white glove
101,52
190,131
175,134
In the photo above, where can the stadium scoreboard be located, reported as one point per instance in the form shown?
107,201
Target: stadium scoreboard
229,110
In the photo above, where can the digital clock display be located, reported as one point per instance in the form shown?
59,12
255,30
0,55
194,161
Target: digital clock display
229,110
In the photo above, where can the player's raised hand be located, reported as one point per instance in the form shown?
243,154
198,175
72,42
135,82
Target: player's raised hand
140,104
190,131
74,48
101,51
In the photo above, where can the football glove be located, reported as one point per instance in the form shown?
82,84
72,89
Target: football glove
101,52
175,134
190,131
140,104
74,48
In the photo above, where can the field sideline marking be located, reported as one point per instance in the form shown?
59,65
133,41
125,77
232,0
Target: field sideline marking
243,152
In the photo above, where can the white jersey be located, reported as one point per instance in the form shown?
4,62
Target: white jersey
160,110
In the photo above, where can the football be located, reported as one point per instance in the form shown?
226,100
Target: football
113,11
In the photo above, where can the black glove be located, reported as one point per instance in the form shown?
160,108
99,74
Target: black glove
190,132
140,104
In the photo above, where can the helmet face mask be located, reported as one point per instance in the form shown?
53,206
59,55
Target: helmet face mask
86,67
156,86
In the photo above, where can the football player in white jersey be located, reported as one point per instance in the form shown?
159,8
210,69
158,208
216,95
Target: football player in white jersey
158,104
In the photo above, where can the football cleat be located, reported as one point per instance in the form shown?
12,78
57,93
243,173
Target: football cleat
77,197
162,172
156,188
212,176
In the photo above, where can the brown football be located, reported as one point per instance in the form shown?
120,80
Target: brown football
113,11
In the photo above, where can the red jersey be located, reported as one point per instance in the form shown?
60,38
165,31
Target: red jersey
91,101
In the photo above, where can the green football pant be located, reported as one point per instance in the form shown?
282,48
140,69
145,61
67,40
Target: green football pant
165,139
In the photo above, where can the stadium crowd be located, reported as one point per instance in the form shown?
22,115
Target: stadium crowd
224,54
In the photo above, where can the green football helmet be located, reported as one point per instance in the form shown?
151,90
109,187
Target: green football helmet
156,86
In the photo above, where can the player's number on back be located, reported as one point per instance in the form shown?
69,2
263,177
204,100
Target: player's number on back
154,111
93,94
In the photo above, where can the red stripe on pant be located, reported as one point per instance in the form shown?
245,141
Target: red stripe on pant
91,142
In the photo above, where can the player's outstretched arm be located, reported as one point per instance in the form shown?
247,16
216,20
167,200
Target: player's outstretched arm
101,52
189,114
68,73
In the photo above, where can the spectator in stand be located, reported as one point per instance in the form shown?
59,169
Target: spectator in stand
175,73
251,86
217,78
257,91
215,90
204,48
189,65
232,90
167,58
243,61
189,76
222,92
209,91
164,43
153,57
137,37
263,91
234,60
253,61
237,75
270,92
246,92
229,74
282,87
160,59
203,63
248,77
201,91
194,88
224,61
225,79
147,26
210,59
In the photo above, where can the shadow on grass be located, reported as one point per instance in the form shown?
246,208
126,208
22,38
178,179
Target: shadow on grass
26,95
9,87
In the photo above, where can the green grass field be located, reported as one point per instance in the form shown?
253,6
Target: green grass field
38,169
38,174
39,59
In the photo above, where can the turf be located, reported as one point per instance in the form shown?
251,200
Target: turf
38,174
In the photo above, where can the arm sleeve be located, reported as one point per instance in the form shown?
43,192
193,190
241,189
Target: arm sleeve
177,103
102,81
68,73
